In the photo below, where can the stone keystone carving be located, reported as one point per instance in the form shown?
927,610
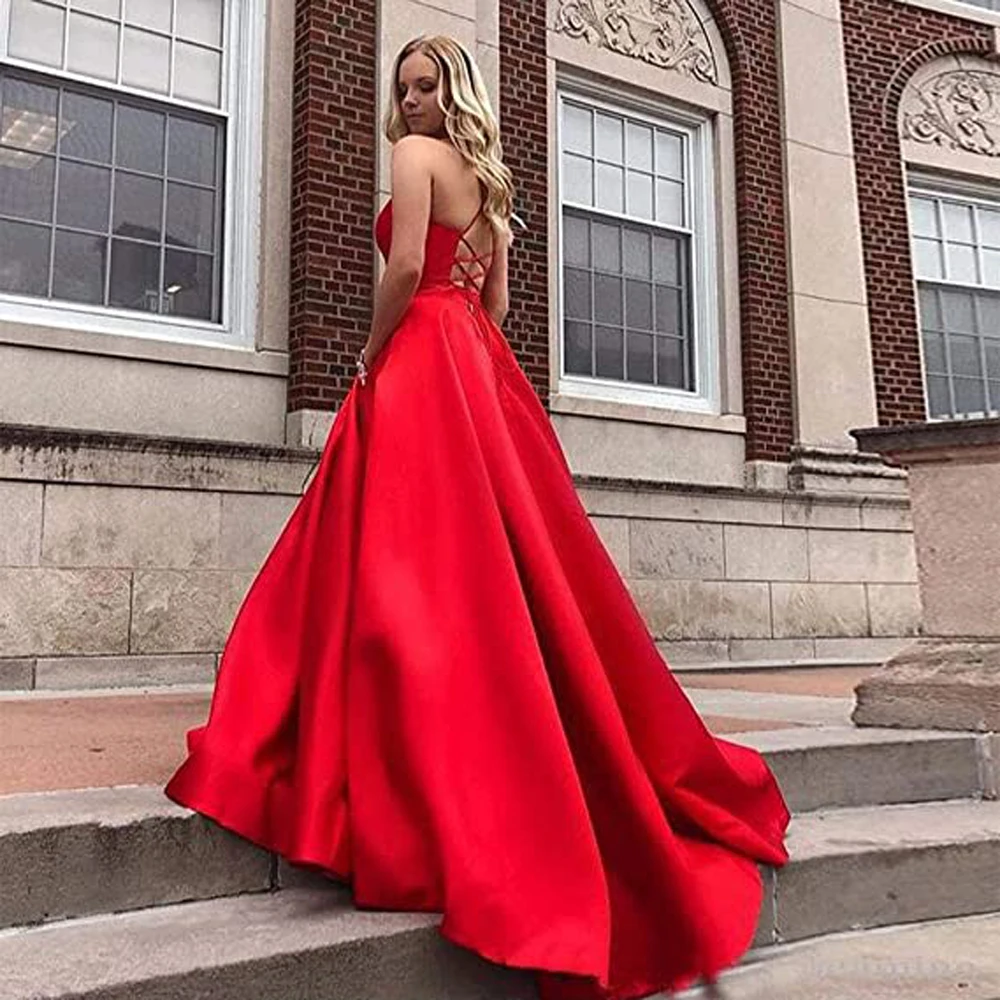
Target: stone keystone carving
666,33
959,109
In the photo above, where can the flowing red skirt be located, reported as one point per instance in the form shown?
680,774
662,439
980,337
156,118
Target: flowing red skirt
439,688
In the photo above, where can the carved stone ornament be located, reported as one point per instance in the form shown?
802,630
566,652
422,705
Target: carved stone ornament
959,110
665,33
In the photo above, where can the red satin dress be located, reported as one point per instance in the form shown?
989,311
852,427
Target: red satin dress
439,688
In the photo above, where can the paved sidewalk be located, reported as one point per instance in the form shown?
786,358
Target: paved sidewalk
67,740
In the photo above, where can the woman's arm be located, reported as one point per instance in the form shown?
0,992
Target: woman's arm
411,212
494,294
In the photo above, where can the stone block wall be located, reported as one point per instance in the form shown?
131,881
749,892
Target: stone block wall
729,575
124,559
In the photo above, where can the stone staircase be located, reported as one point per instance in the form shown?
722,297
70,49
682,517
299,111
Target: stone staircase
115,893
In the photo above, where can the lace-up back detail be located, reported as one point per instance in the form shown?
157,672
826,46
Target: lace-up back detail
450,259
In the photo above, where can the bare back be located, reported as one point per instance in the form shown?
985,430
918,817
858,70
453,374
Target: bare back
456,202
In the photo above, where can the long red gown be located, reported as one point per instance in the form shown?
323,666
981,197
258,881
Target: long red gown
439,688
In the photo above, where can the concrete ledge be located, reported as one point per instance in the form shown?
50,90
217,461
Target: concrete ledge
49,455
875,867
851,869
70,854
252,948
935,685
840,768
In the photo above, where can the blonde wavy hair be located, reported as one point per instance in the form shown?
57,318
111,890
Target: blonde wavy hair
468,119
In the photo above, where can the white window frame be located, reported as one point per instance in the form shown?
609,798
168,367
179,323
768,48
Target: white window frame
244,29
700,206
921,183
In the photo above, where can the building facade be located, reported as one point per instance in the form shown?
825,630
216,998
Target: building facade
751,227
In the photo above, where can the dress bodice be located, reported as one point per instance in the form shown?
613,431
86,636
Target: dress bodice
443,266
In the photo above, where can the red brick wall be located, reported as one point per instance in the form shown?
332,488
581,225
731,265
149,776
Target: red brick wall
524,126
333,183
885,41
750,31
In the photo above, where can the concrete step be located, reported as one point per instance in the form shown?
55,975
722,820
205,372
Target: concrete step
855,868
882,865
940,960
102,850
70,854
299,944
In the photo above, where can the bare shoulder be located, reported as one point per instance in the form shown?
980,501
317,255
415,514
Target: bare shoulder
417,150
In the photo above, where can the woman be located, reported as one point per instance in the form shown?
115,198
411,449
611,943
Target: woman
439,687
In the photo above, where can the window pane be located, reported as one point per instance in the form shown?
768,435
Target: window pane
991,268
957,222
79,267
640,195
638,305
668,310
140,139
610,188
576,293
961,263
29,117
956,309
639,356
923,217
192,151
638,261
86,127
576,241
670,362
934,360
610,353
93,47
26,185
993,358
669,155
200,20
197,74
930,309
36,32
190,216
608,299
666,260
989,315
607,248
24,258
576,136
148,14
938,400
579,337
640,147
970,395
670,203
138,204
146,61
135,276
927,259
965,356
187,285
84,197
609,138
579,179
989,227
107,8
